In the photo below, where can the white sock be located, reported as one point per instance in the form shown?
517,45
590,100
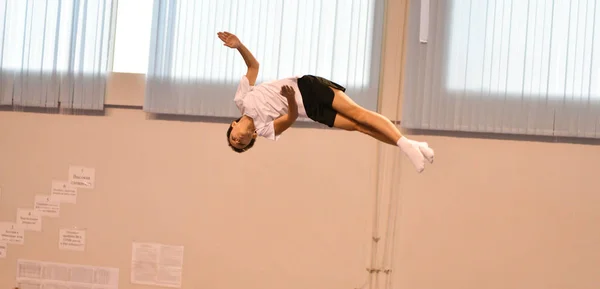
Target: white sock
413,152
427,152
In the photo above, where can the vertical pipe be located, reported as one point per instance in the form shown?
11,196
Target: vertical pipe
375,228
394,199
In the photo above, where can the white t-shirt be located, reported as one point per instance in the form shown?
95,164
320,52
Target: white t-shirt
264,103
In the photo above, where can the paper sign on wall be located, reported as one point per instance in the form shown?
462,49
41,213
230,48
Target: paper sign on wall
71,240
82,177
157,264
11,233
29,220
30,284
63,192
65,276
3,248
46,206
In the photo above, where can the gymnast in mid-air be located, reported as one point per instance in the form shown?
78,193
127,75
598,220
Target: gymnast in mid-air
268,109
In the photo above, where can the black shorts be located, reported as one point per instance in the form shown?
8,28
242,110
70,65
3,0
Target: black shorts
318,98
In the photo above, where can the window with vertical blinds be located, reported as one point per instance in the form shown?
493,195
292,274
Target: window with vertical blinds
54,52
506,66
191,72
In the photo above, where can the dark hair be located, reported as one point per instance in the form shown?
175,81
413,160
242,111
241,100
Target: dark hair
249,146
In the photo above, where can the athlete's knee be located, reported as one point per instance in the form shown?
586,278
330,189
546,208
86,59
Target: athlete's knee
359,115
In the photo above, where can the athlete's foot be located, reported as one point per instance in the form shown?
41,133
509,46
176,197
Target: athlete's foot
413,151
427,152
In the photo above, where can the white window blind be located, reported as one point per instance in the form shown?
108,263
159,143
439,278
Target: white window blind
191,72
505,66
54,51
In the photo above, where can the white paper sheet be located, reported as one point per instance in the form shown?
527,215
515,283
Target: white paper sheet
144,273
82,275
71,240
65,276
82,177
3,249
46,206
103,277
29,220
169,276
171,256
29,270
29,284
11,233
157,264
63,192
56,272
144,263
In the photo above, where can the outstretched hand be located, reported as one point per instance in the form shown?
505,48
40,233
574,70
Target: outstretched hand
229,40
